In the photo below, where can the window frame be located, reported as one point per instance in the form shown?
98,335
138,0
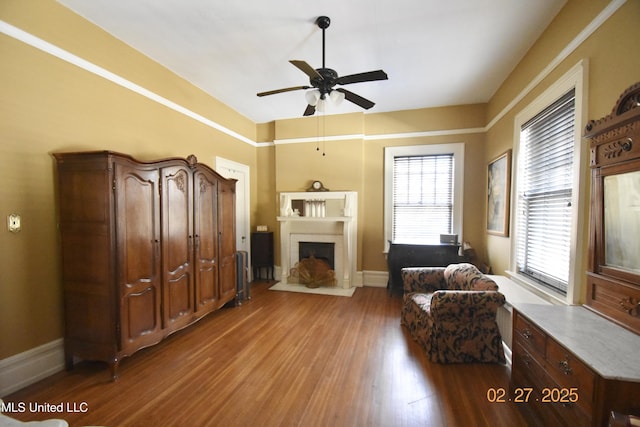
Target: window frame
573,79
457,149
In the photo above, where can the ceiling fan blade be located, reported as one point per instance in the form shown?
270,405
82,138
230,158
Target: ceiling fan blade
356,99
310,110
362,77
287,89
307,69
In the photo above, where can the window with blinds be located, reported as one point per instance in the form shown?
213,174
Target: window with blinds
544,215
422,198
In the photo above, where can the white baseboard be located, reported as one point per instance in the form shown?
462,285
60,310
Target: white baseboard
375,279
26,368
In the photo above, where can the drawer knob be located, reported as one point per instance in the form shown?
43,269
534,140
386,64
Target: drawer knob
564,365
527,334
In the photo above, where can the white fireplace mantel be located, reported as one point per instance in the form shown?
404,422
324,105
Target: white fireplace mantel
333,219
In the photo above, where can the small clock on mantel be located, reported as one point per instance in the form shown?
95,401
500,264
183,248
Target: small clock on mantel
317,186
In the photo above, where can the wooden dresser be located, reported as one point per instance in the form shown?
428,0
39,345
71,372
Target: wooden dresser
147,248
578,365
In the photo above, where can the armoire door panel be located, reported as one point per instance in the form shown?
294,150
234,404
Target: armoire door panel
227,279
138,235
179,299
227,241
139,308
207,284
138,241
177,246
206,238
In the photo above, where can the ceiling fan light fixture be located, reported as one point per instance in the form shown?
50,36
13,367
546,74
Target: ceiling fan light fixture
312,97
336,97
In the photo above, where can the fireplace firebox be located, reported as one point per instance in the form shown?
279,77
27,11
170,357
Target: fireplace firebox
319,250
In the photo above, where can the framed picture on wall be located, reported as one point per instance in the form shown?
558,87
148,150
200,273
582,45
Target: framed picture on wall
499,194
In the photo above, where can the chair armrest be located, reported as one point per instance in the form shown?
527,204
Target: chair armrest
466,306
422,279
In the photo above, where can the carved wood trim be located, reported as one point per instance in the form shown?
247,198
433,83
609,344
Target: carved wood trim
631,306
628,101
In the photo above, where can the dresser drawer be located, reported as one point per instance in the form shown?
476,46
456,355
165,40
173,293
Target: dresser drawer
571,413
530,336
532,374
548,400
569,372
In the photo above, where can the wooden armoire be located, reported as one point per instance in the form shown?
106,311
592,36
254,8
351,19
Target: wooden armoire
147,248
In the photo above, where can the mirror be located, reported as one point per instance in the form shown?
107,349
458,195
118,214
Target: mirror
622,221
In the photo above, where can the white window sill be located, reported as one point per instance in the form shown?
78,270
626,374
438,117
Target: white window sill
519,291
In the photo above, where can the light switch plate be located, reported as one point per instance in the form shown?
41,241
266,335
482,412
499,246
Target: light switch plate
13,223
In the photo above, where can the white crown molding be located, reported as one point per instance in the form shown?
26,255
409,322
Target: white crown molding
318,139
425,133
66,56
47,47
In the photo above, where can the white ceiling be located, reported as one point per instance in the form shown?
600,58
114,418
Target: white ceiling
435,52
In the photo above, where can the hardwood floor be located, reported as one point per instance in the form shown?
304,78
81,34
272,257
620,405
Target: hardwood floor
282,359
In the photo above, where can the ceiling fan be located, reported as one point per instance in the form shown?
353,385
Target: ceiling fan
324,79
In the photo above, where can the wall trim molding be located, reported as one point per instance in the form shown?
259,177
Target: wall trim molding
26,368
443,132
69,57
318,139
66,56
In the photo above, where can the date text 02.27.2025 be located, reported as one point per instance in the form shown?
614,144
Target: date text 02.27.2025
527,394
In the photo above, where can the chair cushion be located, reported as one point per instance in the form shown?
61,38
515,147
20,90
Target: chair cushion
467,277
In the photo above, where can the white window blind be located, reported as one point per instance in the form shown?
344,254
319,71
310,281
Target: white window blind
422,198
545,187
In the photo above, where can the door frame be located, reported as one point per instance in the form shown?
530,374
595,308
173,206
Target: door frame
228,169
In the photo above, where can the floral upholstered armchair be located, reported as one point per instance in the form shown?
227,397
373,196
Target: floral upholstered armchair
451,313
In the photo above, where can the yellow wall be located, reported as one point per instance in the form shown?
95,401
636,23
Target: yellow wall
48,105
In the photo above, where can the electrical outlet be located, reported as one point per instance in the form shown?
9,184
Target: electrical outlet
13,223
